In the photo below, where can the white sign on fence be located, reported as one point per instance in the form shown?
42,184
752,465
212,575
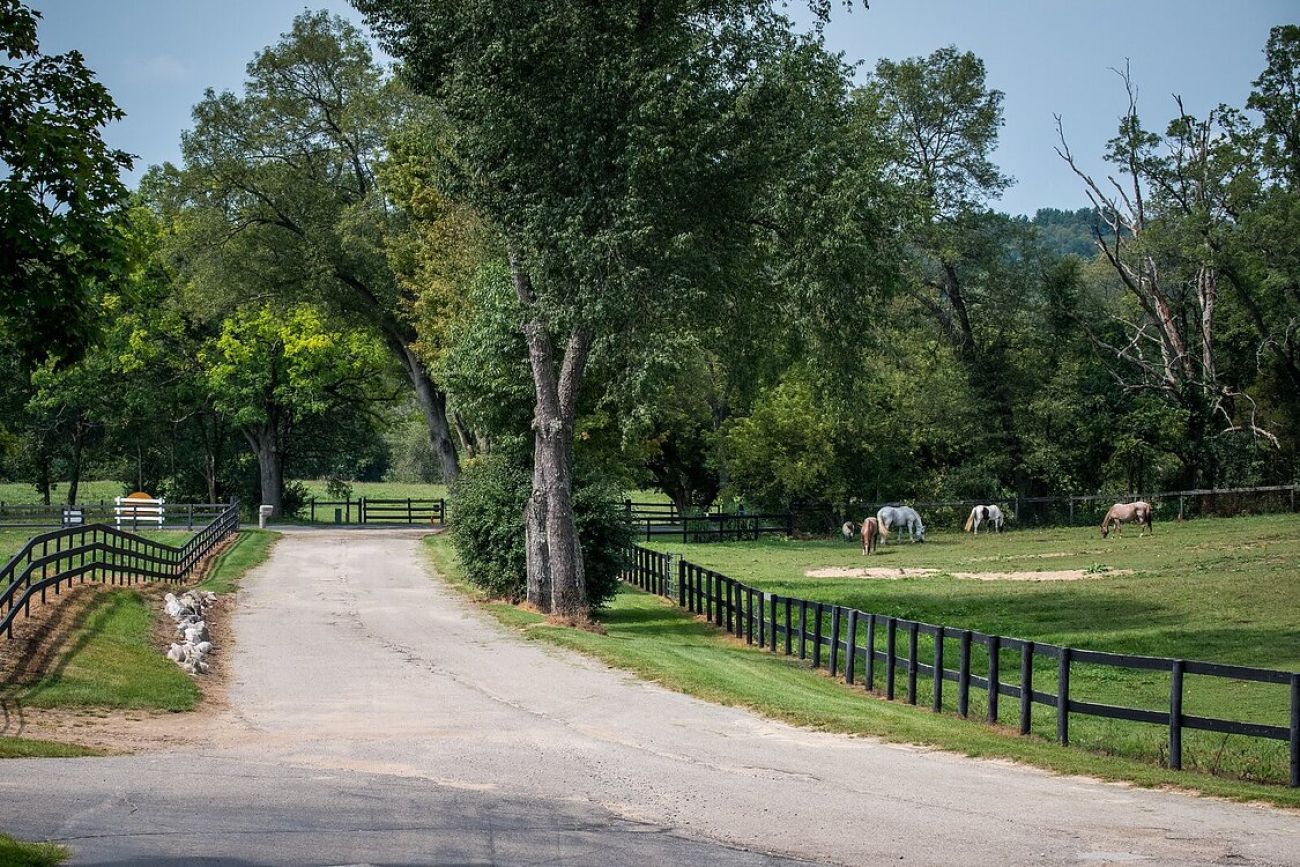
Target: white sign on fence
139,509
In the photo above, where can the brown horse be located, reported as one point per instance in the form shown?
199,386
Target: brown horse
870,531
1122,513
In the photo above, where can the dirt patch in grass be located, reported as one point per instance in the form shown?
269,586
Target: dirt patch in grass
896,573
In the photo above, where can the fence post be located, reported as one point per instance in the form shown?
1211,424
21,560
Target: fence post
911,662
817,636
1026,686
789,630
995,646
891,656
1063,698
1071,502
835,640
789,524
683,594
851,650
963,675
771,637
936,703
1295,726
749,615
1176,715
869,681
803,628
731,606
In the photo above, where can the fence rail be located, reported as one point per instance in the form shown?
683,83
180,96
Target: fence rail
830,633
1075,509
374,510
715,527
652,520
100,552
174,515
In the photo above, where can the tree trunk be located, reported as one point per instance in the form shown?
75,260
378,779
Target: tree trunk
74,471
434,404
556,578
270,465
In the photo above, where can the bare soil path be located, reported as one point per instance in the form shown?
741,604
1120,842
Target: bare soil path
375,716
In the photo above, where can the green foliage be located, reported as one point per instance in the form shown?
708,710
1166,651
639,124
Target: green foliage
488,524
59,189
487,508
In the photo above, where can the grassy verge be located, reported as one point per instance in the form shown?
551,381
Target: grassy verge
249,550
659,642
15,853
1213,589
110,660
25,748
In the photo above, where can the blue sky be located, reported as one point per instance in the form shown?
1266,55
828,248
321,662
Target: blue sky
1048,56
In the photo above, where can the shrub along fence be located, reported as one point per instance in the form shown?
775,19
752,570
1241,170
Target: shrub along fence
829,634
101,553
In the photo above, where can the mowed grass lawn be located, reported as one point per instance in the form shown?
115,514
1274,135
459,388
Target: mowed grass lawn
111,659
1223,590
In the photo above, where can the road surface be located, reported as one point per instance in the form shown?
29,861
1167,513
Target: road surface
376,717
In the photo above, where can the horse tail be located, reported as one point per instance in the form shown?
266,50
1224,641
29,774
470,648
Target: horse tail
884,530
970,522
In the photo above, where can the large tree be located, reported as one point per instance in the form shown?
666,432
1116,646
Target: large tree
629,155
59,187
279,196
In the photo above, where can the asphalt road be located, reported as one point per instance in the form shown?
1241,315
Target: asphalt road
378,718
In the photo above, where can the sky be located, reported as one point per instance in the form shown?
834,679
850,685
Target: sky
1048,56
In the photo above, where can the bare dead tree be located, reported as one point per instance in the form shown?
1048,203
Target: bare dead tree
1170,349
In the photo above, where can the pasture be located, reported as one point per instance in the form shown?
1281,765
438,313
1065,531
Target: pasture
1219,590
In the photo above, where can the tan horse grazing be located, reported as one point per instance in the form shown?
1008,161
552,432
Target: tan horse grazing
870,532
1122,513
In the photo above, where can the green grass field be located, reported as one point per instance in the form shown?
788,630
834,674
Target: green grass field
658,641
87,492
1218,590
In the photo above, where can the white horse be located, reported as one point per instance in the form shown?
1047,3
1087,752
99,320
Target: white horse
900,516
981,514
1121,513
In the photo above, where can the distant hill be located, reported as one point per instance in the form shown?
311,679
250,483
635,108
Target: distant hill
1065,232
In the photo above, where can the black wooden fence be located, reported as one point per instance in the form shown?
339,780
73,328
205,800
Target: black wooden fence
790,625
1088,509
103,553
656,520
372,510
174,515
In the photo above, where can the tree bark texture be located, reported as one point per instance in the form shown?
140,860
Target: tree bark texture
556,578
270,466
433,402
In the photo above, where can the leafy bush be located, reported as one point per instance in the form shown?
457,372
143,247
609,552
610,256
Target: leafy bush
487,508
